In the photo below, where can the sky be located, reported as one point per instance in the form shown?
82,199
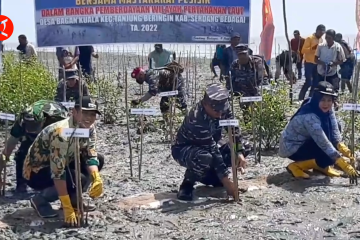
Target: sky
303,15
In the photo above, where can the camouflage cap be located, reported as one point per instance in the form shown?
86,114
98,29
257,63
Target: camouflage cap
241,48
37,112
217,96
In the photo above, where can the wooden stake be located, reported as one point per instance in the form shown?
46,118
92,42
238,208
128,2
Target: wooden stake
354,100
233,163
290,72
127,123
4,163
64,79
141,145
79,197
171,101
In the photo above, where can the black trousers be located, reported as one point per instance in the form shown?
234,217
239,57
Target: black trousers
19,161
42,180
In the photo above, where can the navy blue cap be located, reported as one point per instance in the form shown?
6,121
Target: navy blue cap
235,35
241,48
71,74
217,97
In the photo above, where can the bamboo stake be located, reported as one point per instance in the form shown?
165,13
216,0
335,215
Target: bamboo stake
127,123
354,100
233,163
141,145
5,161
79,199
231,144
172,109
64,79
290,72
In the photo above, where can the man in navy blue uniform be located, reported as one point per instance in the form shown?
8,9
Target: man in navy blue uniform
198,147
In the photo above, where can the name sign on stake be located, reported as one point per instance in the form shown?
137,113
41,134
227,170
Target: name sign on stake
145,111
75,132
251,99
171,93
7,116
68,104
228,122
351,106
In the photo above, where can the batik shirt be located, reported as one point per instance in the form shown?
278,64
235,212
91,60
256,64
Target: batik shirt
50,149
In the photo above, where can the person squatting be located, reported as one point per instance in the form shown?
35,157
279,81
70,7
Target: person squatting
165,79
198,147
49,166
312,137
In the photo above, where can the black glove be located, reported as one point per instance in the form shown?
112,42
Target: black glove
135,102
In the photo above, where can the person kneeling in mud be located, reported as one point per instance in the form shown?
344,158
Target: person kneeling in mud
162,80
196,146
49,166
27,126
311,134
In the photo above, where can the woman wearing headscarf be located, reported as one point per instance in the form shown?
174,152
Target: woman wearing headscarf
312,138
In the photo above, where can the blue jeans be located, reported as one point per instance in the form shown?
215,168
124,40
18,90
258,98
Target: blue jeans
311,80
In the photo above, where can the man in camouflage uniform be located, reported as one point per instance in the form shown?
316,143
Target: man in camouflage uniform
49,166
25,129
69,89
247,74
198,147
164,79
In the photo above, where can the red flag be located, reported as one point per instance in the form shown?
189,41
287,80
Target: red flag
267,34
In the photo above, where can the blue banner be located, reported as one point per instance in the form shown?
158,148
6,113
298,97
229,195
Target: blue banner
84,22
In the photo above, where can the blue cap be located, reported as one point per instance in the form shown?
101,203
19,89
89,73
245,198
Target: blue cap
217,96
235,35
71,74
242,48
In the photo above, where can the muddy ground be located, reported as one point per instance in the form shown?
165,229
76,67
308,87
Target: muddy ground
275,206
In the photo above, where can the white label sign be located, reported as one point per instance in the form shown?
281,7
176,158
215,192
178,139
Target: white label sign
145,111
75,132
7,116
68,104
351,106
171,93
229,122
251,99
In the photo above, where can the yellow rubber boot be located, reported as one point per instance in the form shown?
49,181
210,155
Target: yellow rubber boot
297,168
328,171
